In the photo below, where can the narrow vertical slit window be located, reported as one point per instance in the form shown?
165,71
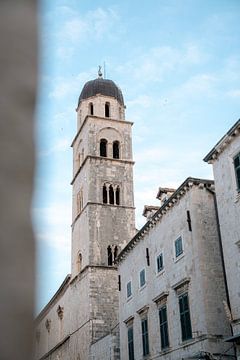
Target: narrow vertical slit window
236,161
145,341
104,194
142,278
189,221
111,195
160,265
129,289
91,108
116,150
117,195
103,147
147,257
115,253
107,109
110,257
163,327
130,343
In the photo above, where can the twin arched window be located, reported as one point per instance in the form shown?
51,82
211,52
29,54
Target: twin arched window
104,148
111,194
112,253
107,109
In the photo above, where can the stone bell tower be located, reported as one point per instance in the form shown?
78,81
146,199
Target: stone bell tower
103,215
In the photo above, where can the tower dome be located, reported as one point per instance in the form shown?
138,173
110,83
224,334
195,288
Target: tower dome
101,86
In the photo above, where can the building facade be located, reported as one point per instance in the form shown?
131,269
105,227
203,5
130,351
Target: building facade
225,158
85,309
160,293
172,286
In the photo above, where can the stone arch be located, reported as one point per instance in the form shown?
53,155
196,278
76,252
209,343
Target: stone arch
103,147
107,109
110,255
116,149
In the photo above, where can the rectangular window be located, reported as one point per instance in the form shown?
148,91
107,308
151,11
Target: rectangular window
129,289
142,278
178,247
237,170
145,342
163,327
130,343
160,262
185,317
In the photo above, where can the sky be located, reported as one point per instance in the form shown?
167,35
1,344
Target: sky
177,63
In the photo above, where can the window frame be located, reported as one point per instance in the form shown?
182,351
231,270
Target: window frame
180,254
142,271
164,333
159,270
129,295
236,170
130,342
185,317
145,337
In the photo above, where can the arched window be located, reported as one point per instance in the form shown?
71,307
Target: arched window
117,195
79,262
107,109
115,253
90,108
104,194
110,257
111,195
103,147
116,149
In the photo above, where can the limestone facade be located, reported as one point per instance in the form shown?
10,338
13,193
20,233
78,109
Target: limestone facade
224,158
85,309
192,271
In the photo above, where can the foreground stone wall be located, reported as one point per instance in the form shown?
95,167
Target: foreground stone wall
18,73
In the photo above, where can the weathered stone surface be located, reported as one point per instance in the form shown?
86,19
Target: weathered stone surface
199,267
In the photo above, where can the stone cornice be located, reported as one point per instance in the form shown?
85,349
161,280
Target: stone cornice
102,204
223,142
124,161
55,348
170,203
98,118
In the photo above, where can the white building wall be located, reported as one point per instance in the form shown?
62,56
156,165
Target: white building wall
200,263
228,201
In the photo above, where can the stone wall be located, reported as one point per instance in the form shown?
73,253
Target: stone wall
199,269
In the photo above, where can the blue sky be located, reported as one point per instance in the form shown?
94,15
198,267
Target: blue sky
177,63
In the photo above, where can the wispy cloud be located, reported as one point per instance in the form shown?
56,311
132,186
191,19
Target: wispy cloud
61,145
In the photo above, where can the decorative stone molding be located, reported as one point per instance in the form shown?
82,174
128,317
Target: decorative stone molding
182,286
143,310
161,299
48,324
60,312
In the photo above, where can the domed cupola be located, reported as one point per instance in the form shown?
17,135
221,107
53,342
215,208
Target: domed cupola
103,87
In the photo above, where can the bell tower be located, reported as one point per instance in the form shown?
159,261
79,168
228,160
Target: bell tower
103,215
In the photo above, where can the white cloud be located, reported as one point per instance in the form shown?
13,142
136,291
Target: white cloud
92,26
159,62
56,219
60,146
234,93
